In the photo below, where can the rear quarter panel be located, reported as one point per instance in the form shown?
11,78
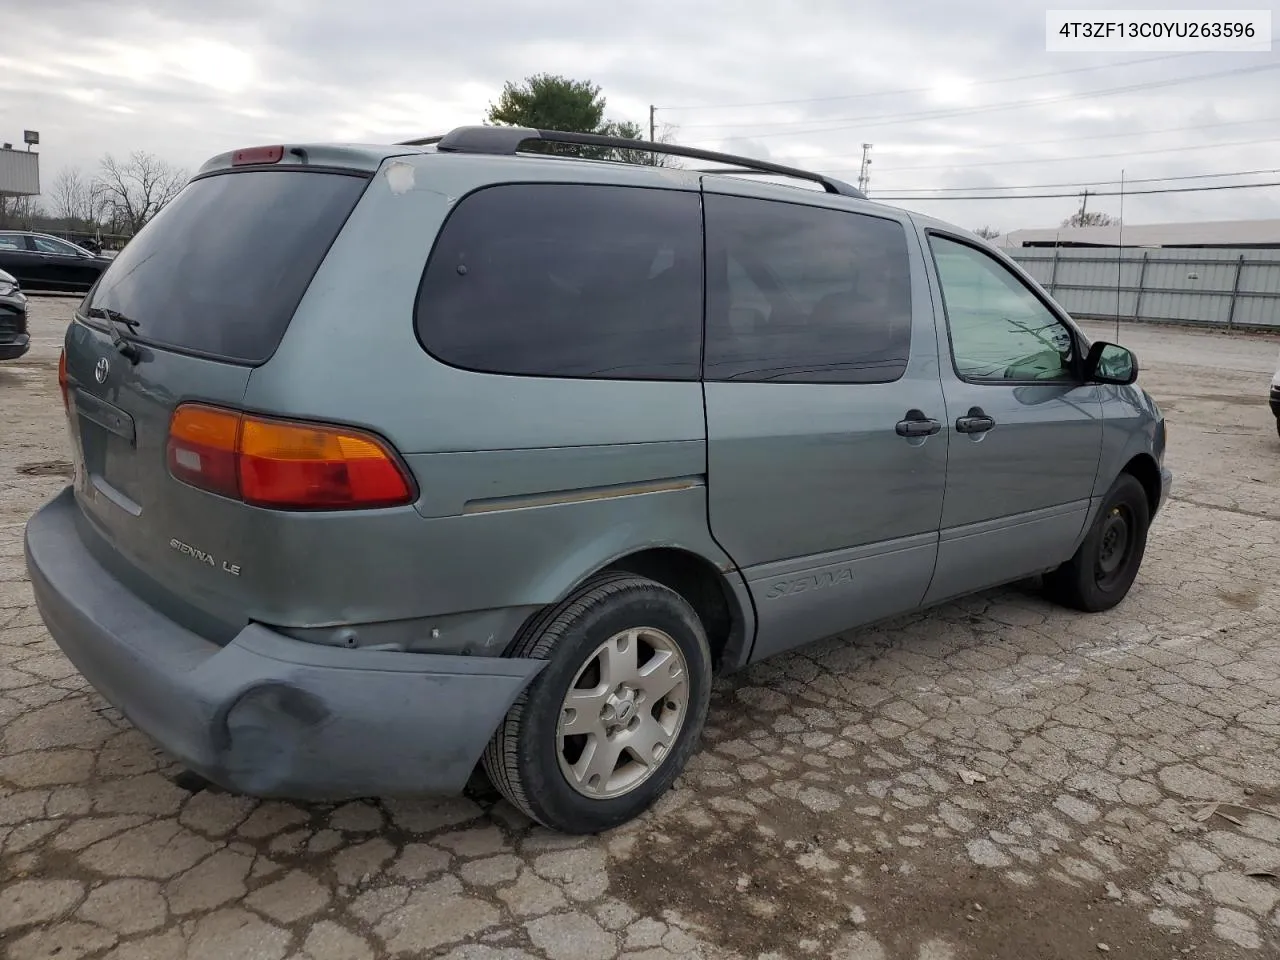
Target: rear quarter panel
527,484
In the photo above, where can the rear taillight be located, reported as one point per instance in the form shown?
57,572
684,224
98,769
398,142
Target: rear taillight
64,383
283,464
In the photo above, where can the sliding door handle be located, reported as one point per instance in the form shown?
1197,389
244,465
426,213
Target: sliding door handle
916,424
975,421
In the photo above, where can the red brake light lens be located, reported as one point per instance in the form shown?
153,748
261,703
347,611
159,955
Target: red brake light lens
64,382
257,155
283,464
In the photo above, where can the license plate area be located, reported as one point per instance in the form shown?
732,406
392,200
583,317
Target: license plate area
106,461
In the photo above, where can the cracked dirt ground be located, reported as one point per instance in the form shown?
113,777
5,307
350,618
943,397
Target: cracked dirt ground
995,779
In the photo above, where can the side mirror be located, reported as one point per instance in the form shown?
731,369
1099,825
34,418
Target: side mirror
1110,363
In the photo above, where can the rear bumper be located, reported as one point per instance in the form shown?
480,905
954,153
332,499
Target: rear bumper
267,715
14,347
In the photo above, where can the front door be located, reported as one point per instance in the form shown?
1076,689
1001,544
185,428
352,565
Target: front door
64,265
19,258
826,458
1025,430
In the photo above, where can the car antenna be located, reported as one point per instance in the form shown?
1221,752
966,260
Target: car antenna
1120,258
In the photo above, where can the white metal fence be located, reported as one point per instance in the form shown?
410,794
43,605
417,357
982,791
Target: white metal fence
1229,288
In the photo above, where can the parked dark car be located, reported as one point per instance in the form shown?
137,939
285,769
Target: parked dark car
14,341
42,262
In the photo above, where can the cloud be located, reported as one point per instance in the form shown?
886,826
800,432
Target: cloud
186,79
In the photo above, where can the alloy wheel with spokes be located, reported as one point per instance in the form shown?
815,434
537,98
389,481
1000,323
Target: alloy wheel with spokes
611,720
622,712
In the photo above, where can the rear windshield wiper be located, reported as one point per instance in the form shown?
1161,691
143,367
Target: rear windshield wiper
115,319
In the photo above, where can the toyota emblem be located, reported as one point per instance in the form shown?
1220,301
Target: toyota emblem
101,369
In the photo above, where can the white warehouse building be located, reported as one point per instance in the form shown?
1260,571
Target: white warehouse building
1236,234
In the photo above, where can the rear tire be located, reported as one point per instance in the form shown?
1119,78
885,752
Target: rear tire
610,722
1100,574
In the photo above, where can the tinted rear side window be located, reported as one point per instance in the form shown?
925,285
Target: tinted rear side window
804,294
221,270
568,280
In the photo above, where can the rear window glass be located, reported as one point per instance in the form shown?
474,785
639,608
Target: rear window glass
222,268
568,280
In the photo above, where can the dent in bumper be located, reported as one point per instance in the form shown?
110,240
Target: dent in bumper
268,715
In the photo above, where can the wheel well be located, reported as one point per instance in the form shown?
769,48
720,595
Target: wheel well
1144,469
701,584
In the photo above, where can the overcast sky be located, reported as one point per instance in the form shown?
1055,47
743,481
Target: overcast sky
185,79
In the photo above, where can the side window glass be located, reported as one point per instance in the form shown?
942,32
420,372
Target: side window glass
1000,330
48,245
12,242
568,280
804,294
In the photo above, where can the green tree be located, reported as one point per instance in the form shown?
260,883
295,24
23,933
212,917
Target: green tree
549,102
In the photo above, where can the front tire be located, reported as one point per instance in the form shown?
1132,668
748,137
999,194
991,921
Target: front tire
1100,574
610,722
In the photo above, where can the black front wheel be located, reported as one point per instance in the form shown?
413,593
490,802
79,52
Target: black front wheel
1100,574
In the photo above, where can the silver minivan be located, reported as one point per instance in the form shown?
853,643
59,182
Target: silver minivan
398,463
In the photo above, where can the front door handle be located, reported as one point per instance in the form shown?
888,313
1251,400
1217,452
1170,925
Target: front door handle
975,421
916,424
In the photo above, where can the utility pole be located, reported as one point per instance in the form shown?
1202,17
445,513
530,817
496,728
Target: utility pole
653,157
1084,203
864,174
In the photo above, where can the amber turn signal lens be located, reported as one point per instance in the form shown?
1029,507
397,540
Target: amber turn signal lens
282,463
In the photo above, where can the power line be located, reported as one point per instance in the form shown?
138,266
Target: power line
910,90
1094,183
1093,156
889,119
1040,143
1101,193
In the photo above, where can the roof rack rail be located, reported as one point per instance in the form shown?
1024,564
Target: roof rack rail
506,141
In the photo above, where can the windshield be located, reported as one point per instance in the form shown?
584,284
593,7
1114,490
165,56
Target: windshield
220,271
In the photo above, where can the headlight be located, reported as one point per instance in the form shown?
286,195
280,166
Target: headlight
7,288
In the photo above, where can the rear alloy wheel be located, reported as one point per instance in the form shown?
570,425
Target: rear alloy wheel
612,719
1100,574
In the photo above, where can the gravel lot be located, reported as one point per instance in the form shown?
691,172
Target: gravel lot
997,778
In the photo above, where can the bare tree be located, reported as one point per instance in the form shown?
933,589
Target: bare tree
987,233
629,130
19,213
1091,218
74,198
135,190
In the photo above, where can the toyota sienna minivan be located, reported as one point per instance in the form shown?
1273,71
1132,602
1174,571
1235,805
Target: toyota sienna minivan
398,463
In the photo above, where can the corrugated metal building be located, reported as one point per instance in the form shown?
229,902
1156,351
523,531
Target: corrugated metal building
1216,287
19,173
1239,234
